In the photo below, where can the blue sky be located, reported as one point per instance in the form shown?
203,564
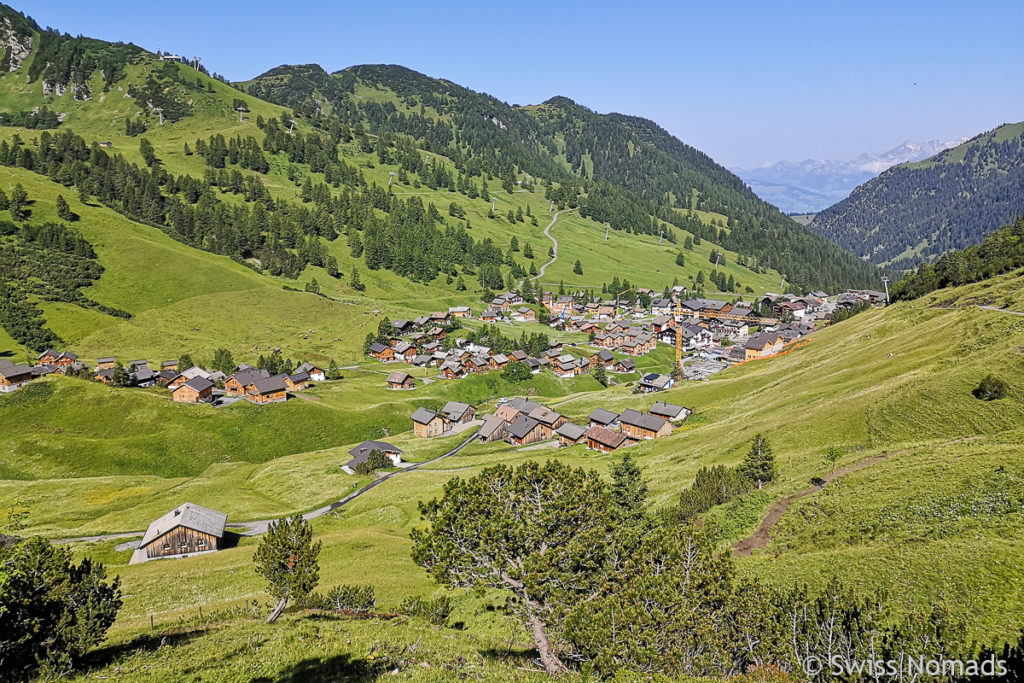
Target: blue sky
746,82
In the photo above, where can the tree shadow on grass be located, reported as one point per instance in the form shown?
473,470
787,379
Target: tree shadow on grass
149,642
517,654
341,667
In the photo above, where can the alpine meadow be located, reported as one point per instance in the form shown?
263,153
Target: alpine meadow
366,375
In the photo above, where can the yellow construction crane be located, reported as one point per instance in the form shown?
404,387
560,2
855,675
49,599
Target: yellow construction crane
617,300
679,333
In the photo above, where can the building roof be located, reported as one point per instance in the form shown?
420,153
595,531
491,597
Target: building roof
109,359
506,413
602,416
523,405
605,436
545,415
655,380
522,425
377,347
363,449
424,416
200,384
627,363
666,410
455,410
492,423
299,377
269,385
9,371
642,420
190,516
571,431
398,377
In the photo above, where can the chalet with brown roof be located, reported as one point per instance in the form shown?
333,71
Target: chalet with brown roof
426,423
763,344
490,315
404,351
604,440
437,333
107,363
524,314
639,426
498,361
506,413
441,317
196,390
518,356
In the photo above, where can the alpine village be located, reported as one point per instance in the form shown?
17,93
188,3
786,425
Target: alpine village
365,375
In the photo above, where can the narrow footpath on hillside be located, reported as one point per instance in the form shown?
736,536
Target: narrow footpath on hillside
759,539
259,526
554,244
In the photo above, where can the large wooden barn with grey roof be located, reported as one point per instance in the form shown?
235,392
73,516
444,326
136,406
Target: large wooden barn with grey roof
188,529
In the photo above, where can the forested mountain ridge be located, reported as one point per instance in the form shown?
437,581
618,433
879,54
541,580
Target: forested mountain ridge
916,212
621,170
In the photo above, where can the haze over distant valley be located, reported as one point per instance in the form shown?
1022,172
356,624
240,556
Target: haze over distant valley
808,186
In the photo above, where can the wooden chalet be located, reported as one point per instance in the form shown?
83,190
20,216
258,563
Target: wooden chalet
604,358
186,530
625,365
236,384
13,377
603,439
297,381
640,426
315,372
404,351
498,361
169,365
382,353
493,429
107,363
490,315
196,390
518,356
604,418
669,411
652,382
460,311
426,423
269,390
163,377
525,430
549,420
105,376
361,453
401,381
453,370
570,434
458,413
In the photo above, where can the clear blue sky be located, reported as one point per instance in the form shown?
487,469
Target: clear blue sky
746,82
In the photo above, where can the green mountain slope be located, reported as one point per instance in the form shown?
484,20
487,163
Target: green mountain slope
278,209
620,170
916,212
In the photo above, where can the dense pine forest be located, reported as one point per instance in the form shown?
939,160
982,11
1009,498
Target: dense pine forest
1000,252
914,213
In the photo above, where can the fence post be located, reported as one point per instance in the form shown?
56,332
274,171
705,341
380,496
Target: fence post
150,622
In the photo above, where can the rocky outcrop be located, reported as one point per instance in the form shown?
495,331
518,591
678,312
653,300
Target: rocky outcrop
16,47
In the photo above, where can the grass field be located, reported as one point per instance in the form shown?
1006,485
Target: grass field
898,524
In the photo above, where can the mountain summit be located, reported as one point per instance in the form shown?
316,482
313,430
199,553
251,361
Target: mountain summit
811,185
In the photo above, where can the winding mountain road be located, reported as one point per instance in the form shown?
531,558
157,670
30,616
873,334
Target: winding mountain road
554,243
259,526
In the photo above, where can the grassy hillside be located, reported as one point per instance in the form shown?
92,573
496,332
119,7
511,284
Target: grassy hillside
938,498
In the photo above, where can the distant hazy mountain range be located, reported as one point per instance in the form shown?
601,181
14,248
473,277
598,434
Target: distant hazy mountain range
811,185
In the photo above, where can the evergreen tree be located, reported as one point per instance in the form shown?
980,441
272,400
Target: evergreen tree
600,375
147,152
63,210
680,259
354,281
287,559
185,362
578,267
759,464
527,250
